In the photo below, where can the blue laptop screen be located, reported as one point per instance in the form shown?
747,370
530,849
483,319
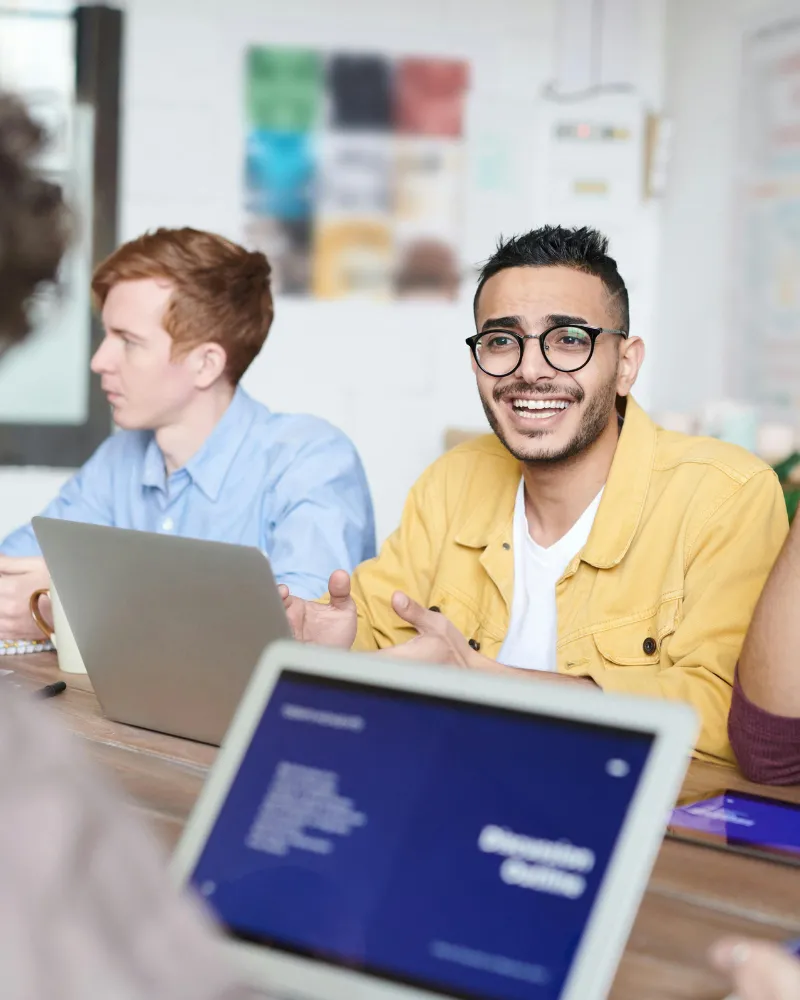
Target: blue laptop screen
452,846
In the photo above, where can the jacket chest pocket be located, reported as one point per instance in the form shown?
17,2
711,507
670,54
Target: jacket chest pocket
637,642
466,618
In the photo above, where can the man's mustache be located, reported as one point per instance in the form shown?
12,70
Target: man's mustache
538,389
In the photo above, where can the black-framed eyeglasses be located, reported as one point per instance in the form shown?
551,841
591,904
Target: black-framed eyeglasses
565,348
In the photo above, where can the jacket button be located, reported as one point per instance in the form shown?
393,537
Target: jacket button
649,646
475,644
506,546
434,607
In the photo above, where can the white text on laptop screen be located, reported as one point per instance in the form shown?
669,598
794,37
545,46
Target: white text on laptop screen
439,843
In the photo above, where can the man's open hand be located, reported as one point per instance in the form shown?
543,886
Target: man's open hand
19,577
333,624
438,640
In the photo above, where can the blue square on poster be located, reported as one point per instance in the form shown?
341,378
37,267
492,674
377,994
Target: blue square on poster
280,174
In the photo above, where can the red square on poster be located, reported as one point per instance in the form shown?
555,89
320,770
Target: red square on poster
429,96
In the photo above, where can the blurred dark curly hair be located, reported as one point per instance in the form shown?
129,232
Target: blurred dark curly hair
35,223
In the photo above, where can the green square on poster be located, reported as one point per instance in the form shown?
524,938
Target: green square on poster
284,88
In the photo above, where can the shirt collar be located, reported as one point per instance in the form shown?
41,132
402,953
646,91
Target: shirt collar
209,466
154,472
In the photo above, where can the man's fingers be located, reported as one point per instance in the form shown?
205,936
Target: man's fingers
425,621
395,652
758,969
415,649
14,565
339,589
725,955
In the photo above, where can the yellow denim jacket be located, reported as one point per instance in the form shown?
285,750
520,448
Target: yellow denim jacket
658,601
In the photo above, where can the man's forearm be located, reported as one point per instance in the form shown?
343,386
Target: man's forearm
543,675
769,667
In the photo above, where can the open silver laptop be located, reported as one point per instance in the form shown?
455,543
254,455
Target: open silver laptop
381,830
169,629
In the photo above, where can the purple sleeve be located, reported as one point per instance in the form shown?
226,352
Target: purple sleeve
767,746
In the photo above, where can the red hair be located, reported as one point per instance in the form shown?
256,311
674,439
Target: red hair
221,292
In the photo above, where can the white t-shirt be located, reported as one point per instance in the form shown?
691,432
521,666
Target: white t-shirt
533,629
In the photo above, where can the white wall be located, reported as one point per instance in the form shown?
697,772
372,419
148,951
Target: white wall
391,376
695,305
355,364
23,492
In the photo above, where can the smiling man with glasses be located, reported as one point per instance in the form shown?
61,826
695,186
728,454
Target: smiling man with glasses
580,542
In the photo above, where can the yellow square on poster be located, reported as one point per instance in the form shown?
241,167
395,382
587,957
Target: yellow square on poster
353,258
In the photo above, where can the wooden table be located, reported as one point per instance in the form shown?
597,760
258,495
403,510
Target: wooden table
695,895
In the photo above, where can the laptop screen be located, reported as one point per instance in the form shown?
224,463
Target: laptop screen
440,843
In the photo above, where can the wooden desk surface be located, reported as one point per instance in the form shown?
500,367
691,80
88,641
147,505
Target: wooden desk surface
695,894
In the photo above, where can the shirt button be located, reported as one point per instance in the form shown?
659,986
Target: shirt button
475,644
167,524
649,646
434,607
506,546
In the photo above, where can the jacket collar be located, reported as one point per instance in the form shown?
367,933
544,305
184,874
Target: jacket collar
492,520
620,509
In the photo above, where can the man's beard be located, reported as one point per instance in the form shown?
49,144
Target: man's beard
594,421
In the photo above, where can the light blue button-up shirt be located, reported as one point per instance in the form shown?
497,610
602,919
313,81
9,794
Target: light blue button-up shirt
289,484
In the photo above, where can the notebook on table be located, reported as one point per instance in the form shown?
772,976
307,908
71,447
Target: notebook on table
17,647
374,829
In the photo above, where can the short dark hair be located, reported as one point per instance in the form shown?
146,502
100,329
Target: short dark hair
35,223
583,249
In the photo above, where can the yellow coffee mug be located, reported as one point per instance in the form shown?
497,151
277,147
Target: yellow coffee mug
59,633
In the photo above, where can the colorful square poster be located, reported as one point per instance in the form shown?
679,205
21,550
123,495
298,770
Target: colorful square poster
353,239
354,174
429,97
279,190
354,166
284,89
428,181
280,174
353,258
359,91
284,101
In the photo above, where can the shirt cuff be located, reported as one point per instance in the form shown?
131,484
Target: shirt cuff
767,746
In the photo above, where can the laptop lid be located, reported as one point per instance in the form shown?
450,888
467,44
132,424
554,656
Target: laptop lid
373,829
169,629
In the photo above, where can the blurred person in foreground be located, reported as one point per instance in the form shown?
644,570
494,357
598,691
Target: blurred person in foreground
757,970
764,722
87,911
579,543
185,314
